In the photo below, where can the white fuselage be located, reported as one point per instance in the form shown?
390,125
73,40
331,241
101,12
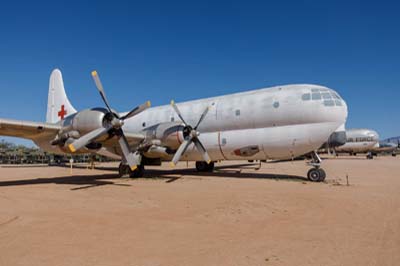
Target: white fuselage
276,123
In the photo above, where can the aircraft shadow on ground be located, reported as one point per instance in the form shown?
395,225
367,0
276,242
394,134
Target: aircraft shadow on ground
345,158
173,175
225,171
89,181
84,180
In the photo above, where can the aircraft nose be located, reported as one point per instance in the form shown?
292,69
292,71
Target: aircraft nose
341,106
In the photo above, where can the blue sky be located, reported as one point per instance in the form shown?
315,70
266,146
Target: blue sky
159,50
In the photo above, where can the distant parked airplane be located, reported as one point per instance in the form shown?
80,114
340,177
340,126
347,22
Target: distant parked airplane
281,122
365,141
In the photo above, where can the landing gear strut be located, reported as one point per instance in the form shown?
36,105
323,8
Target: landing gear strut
204,166
370,156
316,174
125,170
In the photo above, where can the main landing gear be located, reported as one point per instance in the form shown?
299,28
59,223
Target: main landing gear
125,170
204,166
316,174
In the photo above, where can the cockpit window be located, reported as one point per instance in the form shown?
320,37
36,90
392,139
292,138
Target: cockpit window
329,103
306,97
316,96
336,96
338,103
326,95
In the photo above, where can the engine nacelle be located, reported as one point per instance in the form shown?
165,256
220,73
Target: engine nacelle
79,124
85,121
170,134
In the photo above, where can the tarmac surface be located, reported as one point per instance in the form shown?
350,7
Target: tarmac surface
236,216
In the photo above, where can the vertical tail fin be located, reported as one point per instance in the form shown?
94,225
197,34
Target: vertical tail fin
58,105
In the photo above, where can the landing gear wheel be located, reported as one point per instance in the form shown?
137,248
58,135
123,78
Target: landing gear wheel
370,156
125,170
322,175
316,175
138,172
204,167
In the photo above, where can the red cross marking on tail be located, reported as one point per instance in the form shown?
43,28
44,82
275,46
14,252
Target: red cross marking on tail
62,112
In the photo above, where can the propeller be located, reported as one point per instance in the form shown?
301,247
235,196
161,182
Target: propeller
112,125
191,135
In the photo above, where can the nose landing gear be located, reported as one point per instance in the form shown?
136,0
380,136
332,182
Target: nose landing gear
316,174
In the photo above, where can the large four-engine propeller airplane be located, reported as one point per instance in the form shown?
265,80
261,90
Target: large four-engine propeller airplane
281,123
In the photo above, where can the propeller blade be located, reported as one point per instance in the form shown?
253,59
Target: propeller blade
181,150
101,89
133,160
203,115
88,138
137,110
178,112
202,150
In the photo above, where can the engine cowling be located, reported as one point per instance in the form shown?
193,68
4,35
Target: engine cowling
80,124
86,120
170,134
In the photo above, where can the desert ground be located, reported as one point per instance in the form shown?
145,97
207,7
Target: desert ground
239,215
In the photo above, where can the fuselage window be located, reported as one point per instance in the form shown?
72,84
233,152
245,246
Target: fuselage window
237,112
223,141
306,97
316,96
144,124
329,103
276,104
172,119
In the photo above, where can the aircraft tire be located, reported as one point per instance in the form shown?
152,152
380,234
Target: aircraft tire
139,172
204,167
323,175
316,175
123,170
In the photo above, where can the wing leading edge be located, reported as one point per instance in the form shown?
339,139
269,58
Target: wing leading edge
27,129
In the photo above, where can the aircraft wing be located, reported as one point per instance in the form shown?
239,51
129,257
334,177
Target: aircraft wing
27,129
